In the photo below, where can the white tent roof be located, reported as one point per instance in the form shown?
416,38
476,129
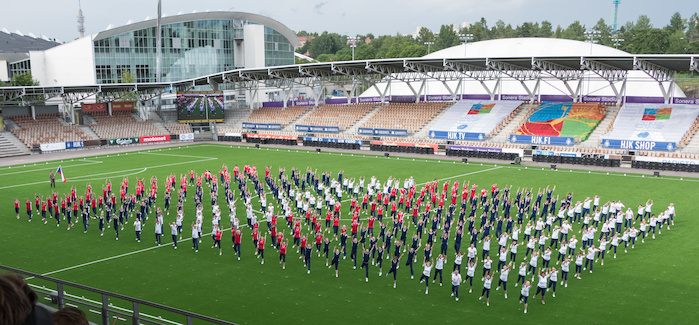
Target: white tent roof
638,84
528,46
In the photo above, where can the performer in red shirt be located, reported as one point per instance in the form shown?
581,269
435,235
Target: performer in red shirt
17,207
282,252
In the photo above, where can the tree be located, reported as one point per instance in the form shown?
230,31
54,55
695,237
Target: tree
575,31
364,52
649,41
499,29
128,78
325,57
425,35
546,29
676,23
643,22
693,28
604,30
412,50
677,44
326,43
693,47
446,38
23,79
345,54
559,32
525,30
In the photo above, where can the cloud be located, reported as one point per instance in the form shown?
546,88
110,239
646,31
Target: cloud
319,6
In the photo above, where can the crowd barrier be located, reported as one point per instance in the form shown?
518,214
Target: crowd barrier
587,161
664,166
425,149
270,139
482,154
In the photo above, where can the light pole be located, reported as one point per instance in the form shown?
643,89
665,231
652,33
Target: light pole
428,46
617,41
592,38
352,41
465,38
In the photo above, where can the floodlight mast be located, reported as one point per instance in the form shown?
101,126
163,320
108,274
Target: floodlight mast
465,38
352,41
158,52
428,46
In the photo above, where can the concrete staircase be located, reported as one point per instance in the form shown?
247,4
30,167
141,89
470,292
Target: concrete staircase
160,127
693,145
292,126
89,132
424,132
593,141
235,118
504,134
11,146
355,127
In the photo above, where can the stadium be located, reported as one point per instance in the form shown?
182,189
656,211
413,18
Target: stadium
541,156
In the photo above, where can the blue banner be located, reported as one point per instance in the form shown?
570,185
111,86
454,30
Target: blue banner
457,135
536,139
365,131
262,126
315,128
353,141
74,144
639,145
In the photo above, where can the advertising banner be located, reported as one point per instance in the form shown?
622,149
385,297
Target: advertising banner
187,136
262,126
542,140
122,141
157,138
682,161
352,141
639,145
99,107
405,144
475,148
316,128
74,144
123,106
52,146
383,132
457,135
270,136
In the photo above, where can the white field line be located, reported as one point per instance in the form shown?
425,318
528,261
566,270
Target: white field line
50,168
125,254
55,163
139,170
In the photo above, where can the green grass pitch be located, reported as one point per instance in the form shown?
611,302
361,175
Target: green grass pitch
654,283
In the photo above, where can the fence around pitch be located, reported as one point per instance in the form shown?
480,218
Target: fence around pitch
106,308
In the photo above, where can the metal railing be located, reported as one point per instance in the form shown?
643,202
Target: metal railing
106,308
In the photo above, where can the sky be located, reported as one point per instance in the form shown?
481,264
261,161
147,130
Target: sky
57,18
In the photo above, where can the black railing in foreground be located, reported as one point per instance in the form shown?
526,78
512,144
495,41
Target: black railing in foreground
106,308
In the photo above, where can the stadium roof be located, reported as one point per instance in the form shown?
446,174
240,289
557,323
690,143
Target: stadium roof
213,15
660,67
19,43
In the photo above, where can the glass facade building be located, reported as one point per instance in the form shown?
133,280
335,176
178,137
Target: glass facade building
193,45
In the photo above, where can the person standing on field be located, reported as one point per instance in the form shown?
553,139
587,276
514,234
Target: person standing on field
52,178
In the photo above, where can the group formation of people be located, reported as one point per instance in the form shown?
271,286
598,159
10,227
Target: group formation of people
431,224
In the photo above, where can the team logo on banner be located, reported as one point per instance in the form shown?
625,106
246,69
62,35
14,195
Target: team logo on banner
654,114
480,109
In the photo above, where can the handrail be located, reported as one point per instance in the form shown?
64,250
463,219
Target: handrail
105,301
